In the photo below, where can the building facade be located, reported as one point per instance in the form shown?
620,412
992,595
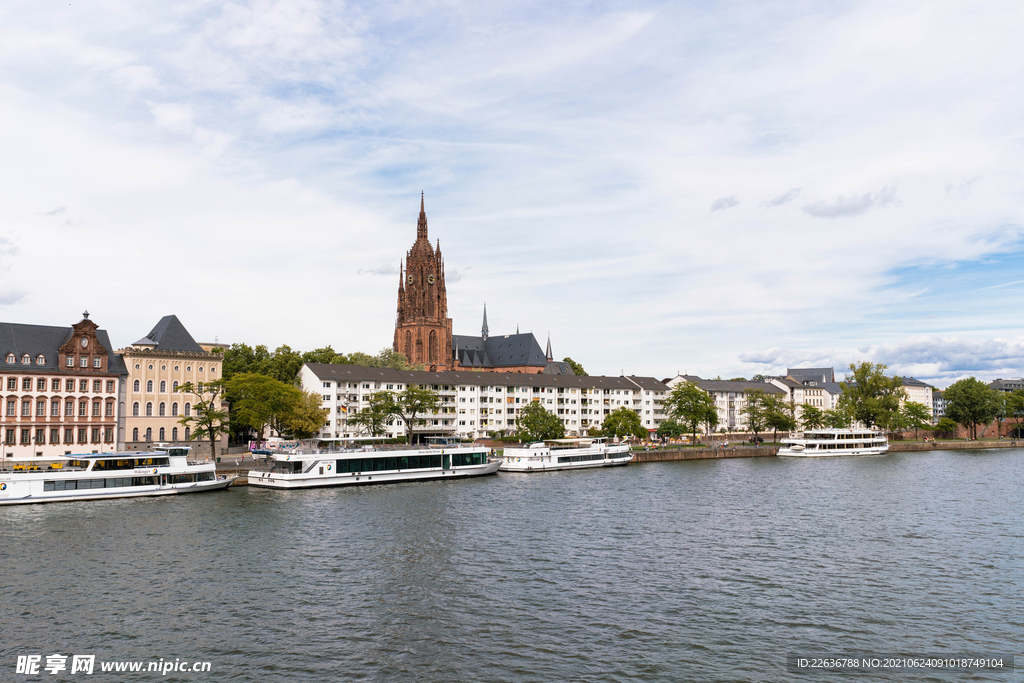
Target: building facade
730,398
63,388
157,365
477,404
919,392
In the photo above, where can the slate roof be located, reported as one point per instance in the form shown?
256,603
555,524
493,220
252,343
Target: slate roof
357,373
46,340
509,350
1010,384
911,382
740,387
170,335
813,374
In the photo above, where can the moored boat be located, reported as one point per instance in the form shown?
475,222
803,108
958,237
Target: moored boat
164,471
372,465
565,454
818,443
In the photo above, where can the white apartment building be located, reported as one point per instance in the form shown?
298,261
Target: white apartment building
730,397
475,404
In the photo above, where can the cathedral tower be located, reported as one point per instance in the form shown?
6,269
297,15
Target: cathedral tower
423,330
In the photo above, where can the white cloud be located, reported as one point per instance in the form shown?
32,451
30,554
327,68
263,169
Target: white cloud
784,198
380,270
853,206
725,203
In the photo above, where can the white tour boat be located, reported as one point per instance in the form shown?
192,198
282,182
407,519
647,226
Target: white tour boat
565,454
817,443
164,471
372,465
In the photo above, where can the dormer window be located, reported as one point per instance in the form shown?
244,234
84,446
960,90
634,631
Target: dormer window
10,358
40,360
26,360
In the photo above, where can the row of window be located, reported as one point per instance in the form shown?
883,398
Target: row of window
83,361
162,409
109,482
188,368
137,386
83,433
511,390
55,404
55,384
163,434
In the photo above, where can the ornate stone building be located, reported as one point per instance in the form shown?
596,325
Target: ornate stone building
423,330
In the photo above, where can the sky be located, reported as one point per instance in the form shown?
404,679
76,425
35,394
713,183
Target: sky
714,188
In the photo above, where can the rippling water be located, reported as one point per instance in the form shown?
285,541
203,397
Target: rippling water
706,570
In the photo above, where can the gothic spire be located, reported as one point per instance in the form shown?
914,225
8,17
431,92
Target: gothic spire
421,225
483,331
550,356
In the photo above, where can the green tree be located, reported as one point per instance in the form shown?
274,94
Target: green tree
690,406
208,420
671,429
259,400
373,418
946,426
971,402
576,367
306,417
755,411
916,416
871,397
812,417
624,421
324,355
779,415
536,423
411,403
1015,409
283,365
837,418
241,358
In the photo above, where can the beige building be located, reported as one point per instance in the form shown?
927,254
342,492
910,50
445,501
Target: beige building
165,359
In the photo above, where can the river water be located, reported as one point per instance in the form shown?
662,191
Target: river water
701,570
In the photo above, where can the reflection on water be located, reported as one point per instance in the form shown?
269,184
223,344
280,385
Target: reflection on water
707,570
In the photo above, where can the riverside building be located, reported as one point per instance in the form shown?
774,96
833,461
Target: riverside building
477,404
63,390
157,364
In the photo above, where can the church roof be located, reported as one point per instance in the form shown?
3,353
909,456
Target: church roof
509,350
170,335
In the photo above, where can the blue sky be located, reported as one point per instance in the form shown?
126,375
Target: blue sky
713,188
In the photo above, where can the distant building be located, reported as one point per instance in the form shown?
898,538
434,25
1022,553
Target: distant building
730,397
938,406
820,386
475,404
1007,385
423,330
157,365
919,392
64,390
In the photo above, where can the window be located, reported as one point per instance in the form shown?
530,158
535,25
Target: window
135,409
55,408
213,370
149,386
174,409
149,409
96,364
163,411
11,433
162,437
174,387
110,409
69,408
149,433
70,362
69,434
41,384
83,409
137,366
187,432
97,386
188,410
174,433
10,358
69,385
55,435
200,387
163,367
83,362
41,408
327,385
12,384
110,386
83,385
176,367
95,434
150,366
82,434
188,368
26,435
26,360
95,408
135,434
137,386
55,385
26,384
108,435
163,386
200,368
26,408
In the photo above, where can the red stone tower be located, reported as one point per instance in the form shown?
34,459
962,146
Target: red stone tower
423,330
